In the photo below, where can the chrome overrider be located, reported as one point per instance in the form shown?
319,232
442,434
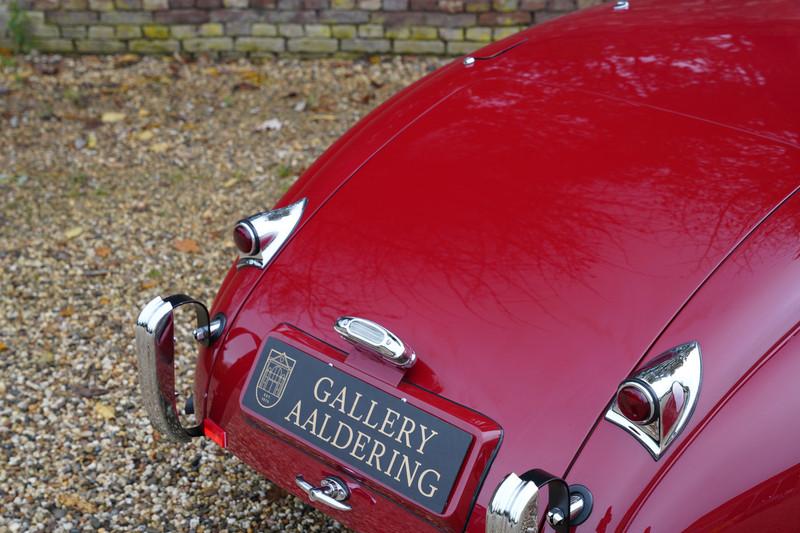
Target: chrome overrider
155,349
514,507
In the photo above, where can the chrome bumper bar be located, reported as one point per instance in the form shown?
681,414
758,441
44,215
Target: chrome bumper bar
155,349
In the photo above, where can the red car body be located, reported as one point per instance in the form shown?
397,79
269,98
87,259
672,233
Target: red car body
539,224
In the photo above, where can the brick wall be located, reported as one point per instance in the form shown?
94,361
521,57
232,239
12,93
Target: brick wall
259,27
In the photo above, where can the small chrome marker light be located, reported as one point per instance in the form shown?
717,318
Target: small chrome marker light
261,236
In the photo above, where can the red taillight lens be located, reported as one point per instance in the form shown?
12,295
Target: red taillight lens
636,403
215,433
245,239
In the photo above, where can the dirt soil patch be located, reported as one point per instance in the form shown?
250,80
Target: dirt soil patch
120,179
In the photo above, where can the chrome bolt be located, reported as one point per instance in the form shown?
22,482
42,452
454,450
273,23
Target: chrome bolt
555,517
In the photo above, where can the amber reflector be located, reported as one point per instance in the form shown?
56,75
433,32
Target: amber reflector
215,433
244,240
635,404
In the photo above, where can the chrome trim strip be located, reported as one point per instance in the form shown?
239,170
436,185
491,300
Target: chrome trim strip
376,339
678,372
273,227
155,351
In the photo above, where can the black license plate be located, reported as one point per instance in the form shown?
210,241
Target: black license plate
401,446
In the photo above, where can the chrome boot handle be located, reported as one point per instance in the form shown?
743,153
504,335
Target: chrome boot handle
332,492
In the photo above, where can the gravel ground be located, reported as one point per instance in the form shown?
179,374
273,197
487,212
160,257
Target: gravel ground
120,179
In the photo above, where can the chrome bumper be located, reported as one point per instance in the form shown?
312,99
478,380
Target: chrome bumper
155,349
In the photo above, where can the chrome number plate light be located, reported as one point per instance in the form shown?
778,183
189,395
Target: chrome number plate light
670,384
375,339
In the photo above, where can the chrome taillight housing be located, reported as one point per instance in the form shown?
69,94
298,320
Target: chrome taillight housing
261,236
655,404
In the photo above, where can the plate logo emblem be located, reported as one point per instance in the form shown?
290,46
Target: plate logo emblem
274,378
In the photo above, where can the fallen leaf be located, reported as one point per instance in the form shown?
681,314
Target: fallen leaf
324,117
68,311
230,183
104,410
275,493
244,86
91,141
159,148
272,124
73,232
3,346
144,113
102,251
73,501
188,246
104,300
112,116
254,77
46,359
149,284
126,60
87,392
145,135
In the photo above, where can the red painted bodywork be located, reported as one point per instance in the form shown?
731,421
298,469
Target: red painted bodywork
535,226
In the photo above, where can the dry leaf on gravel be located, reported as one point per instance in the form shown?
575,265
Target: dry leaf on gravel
126,60
3,346
87,392
67,311
104,410
73,501
188,246
112,116
73,232
159,148
102,251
